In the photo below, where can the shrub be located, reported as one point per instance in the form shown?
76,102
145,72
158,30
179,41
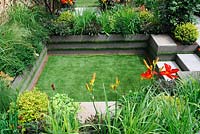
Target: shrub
148,22
66,17
174,12
64,24
127,21
62,117
187,33
32,105
87,23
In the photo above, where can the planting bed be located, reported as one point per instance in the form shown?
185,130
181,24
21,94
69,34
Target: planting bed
71,73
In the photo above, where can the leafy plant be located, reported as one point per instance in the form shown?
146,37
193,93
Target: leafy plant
64,24
32,105
87,23
148,22
127,21
7,95
107,22
62,115
9,121
21,39
187,33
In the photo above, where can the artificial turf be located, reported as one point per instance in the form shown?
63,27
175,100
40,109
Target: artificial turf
69,74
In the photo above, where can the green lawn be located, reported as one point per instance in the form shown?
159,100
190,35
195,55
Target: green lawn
70,73
86,3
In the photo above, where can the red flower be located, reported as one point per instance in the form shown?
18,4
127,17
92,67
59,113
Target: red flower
148,74
169,72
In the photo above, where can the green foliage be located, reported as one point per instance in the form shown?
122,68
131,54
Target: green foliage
9,121
87,23
66,17
187,33
62,115
21,39
107,22
148,22
16,52
174,12
32,105
7,95
146,111
127,21
149,4
64,24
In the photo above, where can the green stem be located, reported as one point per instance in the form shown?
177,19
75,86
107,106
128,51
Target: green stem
94,104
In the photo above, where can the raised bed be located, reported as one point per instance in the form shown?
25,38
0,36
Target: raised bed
27,80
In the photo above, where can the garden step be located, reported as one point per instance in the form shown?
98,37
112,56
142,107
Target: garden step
87,109
188,62
111,45
173,64
164,44
98,38
189,74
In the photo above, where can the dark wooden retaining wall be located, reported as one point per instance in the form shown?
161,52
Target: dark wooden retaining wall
101,44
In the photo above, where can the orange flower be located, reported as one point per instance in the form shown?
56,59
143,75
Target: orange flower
169,72
148,74
63,1
71,2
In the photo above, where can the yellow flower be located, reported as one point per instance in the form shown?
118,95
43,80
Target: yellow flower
117,81
104,1
88,87
114,86
93,79
155,61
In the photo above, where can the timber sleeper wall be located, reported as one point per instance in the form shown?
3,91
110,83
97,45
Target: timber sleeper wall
101,44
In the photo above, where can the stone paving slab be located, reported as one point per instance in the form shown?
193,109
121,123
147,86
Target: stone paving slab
189,74
171,63
163,44
87,110
188,62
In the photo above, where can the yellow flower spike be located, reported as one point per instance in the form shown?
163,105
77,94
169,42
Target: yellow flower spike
161,69
117,81
155,61
93,79
113,86
88,88
145,63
